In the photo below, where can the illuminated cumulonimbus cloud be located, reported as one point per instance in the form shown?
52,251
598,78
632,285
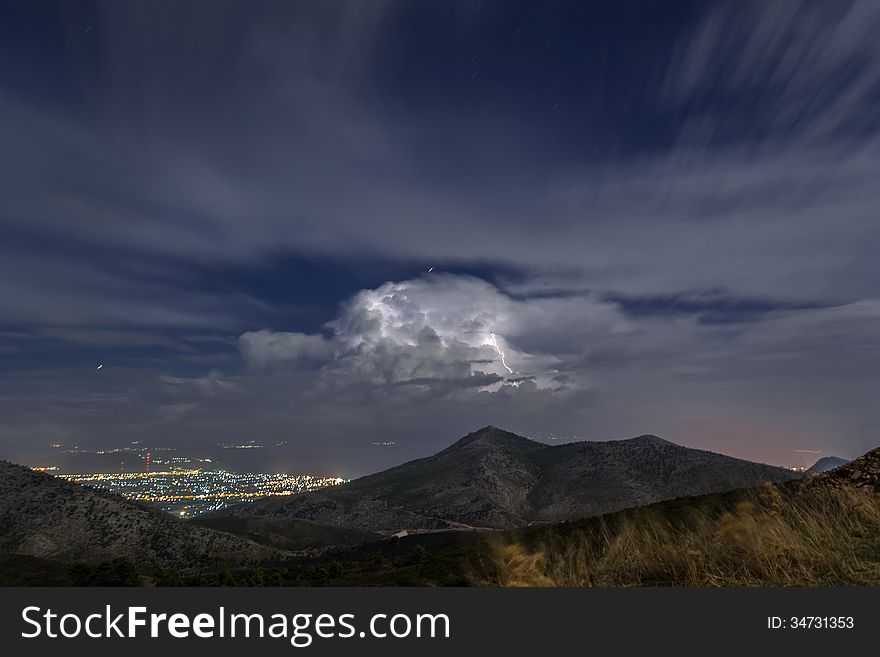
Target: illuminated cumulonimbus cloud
443,329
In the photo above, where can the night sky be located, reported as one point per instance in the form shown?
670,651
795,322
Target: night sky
665,212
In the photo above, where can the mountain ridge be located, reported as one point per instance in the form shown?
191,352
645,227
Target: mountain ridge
493,478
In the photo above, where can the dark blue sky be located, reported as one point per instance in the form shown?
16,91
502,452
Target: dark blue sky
664,212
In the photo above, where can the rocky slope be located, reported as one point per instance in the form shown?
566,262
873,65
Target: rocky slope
42,516
496,479
864,472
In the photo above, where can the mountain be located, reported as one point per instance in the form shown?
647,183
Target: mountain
51,519
827,463
495,479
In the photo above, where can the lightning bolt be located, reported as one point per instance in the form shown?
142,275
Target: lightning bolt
494,342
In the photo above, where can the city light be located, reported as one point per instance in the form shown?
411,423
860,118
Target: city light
191,492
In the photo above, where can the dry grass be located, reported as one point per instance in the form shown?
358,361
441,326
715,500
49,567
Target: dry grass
764,537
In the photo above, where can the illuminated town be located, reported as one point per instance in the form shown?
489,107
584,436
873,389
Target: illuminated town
191,492
182,485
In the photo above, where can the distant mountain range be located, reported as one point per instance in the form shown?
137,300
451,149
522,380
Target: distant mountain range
496,479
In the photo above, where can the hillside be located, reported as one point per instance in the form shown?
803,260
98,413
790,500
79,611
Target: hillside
819,531
495,479
286,533
864,472
51,519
